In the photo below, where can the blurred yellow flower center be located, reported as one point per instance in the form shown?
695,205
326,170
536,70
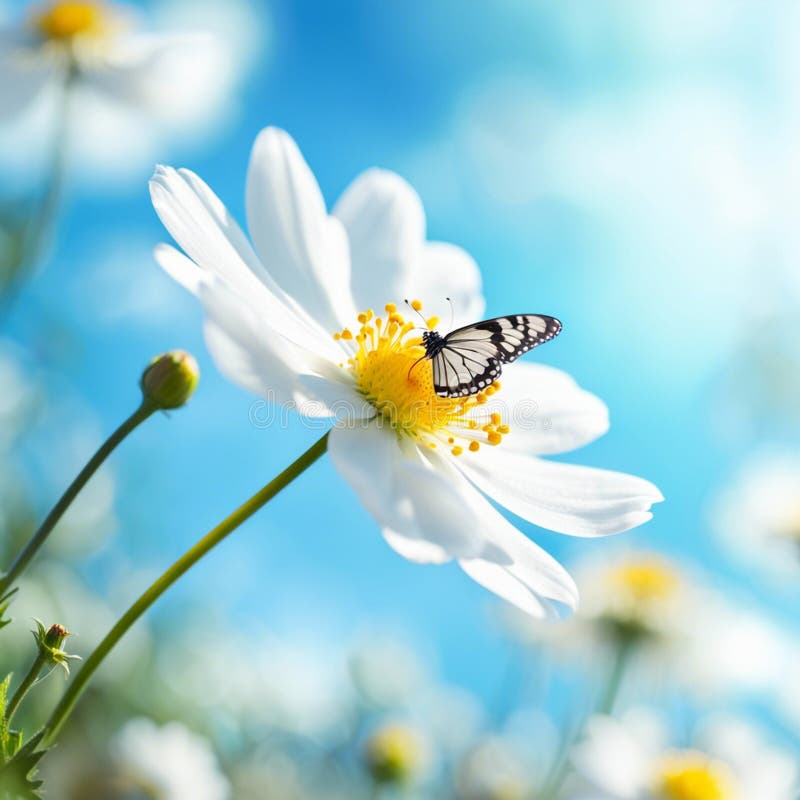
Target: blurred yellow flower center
694,776
791,530
646,581
391,372
394,754
64,21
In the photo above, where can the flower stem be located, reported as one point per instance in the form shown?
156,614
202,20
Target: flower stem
181,566
25,686
605,705
38,539
40,227
621,659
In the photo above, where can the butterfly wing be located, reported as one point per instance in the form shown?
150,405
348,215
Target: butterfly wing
470,358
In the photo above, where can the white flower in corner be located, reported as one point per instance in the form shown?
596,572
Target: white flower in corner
757,517
167,763
291,318
129,88
632,759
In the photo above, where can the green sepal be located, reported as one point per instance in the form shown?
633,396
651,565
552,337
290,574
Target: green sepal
13,743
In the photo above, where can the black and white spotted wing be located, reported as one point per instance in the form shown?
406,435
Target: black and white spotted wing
469,359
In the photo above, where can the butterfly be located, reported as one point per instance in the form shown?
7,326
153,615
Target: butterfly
469,359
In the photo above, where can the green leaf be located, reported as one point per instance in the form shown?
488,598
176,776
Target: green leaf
18,779
5,602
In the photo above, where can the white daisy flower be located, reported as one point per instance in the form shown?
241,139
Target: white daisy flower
168,762
283,321
638,597
757,517
88,72
631,759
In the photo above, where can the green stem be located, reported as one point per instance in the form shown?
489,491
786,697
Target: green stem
40,226
24,687
38,539
625,647
611,692
181,566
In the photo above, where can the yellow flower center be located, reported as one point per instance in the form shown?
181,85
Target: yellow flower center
694,776
646,581
62,22
390,370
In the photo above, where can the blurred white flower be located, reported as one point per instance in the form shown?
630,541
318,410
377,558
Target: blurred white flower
730,648
512,763
131,92
631,759
633,595
450,716
386,672
277,319
19,398
168,762
265,681
689,632
757,516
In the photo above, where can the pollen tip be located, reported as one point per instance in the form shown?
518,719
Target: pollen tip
494,438
504,429
457,450
432,322
416,305
474,446
390,308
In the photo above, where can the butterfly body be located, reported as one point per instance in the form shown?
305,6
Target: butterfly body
469,359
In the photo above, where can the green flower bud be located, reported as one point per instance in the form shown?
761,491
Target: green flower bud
170,379
50,641
393,754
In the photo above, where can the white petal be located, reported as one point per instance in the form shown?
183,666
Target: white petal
403,492
391,260
385,224
202,226
546,410
305,250
580,501
515,568
255,356
179,267
416,549
448,271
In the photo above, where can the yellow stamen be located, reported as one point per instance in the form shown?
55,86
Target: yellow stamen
64,21
390,370
432,322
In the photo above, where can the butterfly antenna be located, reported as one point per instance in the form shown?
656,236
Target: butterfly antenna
452,312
